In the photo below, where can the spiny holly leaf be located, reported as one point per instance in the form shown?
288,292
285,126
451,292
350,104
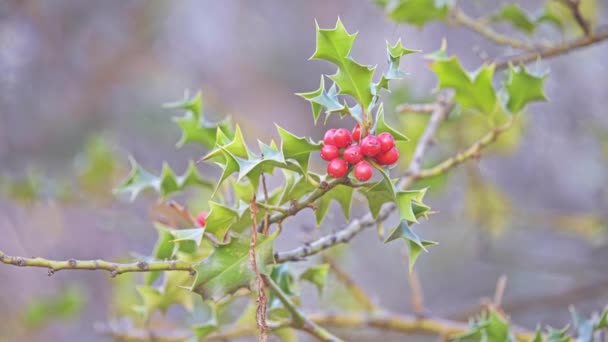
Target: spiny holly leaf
194,235
394,54
253,167
171,292
415,12
227,269
524,87
317,275
297,148
471,90
167,183
489,326
164,249
283,277
220,219
414,243
342,194
352,78
301,185
558,335
194,126
379,192
320,99
381,126
404,204
514,14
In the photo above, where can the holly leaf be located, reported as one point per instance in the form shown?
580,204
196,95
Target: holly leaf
166,184
297,148
354,79
415,12
227,269
164,249
320,99
381,126
169,293
317,275
379,192
471,90
523,87
415,244
342,194
220,219
394,54
514,14
404,205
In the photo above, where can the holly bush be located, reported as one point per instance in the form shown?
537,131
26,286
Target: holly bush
214,260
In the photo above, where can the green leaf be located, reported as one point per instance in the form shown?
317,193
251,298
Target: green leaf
171,292
342,194
497,328
415,244
523,88
394,54
352,78
282,276
166,184
320,99
414,251
227,269
317,275
379,192
471,90
65,305
193,234
404,205
164,249
297,148
203,330
381,126
416,12
514,14
220,219
194,127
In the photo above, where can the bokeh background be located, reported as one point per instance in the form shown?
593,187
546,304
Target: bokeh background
82,86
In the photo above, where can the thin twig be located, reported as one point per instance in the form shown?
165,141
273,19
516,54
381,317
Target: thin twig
299,320
112,267
356,291
472,151
499,293
575,8
422,108
266,215
461,18
260,314
553,51
417,294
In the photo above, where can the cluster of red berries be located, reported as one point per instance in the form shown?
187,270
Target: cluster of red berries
355,151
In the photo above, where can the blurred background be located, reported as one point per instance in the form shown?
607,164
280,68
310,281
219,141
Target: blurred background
82,86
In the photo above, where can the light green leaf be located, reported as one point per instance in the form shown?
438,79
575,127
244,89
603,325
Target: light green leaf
414,251
381,126
65,305
171,292
342,194
164,249
416,12
471,90
220,219
320,99
297,148
193,234
317,275
404,205
514,14
352,78
227,269
166,184
283,277
523,88
394,54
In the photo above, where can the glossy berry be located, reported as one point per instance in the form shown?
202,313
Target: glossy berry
352,154
389,157
201,219
363,171
337,168
370,146
356,135
342,138
328,139
329,152
386,141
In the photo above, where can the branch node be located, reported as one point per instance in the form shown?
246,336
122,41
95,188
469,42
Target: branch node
192,273
72,263
51,272
142,265
20,261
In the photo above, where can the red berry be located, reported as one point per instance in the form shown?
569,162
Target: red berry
352,154
342,137
386,141
389,157
328,139
201,219
337,168
363,171
356,133
370,146
329,152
